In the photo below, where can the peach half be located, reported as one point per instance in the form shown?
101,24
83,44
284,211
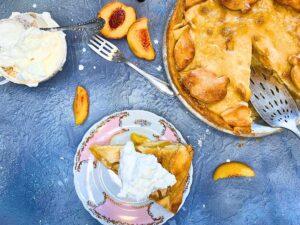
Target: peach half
139,40
233,169
119,17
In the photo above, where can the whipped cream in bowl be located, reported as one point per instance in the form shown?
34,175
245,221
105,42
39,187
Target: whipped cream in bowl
29,55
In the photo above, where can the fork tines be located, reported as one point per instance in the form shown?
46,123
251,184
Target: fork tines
103,47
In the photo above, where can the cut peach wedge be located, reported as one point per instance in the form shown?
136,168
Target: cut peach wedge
119,17
233,169
138,139
139,40
81,105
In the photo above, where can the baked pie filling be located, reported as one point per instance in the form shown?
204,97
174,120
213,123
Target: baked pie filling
174,157
212,45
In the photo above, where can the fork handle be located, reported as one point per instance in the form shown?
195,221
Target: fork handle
90,24
159,84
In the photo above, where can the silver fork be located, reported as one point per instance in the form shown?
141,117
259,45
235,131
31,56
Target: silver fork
273,102
110,52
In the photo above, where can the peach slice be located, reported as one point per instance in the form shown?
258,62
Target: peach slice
233,169
81,105
119,17
139,40
138,139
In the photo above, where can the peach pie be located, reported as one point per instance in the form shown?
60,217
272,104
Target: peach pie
212,45
174,157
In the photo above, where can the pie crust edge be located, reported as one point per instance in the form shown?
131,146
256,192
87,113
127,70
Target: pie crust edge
212,117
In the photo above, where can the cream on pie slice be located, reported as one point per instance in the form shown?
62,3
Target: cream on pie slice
174,157
141,174
212,44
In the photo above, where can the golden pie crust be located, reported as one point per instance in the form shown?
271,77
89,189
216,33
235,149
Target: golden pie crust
212,44
174,157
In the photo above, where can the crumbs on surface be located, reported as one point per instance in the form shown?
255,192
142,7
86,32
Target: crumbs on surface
242,143
200,143
80,67
203,136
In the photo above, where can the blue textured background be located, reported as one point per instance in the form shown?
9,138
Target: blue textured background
38,138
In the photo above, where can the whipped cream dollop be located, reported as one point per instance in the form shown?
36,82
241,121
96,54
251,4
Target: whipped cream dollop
141,174
29,55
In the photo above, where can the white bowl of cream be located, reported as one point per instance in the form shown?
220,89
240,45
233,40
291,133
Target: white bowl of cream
29,55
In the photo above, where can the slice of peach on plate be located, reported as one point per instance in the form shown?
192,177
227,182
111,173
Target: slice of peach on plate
233,169
81,105
139,40
138,139
119,17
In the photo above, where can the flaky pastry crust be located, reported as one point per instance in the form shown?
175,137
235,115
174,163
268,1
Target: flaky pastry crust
174,157
268,32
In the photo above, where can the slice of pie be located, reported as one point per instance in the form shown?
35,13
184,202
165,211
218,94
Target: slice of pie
212,45
175,158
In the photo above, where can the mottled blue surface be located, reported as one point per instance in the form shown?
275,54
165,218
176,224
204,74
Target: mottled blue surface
38,138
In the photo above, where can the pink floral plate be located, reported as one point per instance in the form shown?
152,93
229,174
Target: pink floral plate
97,187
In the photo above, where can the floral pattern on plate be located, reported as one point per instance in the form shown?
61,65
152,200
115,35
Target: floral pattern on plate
97,187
